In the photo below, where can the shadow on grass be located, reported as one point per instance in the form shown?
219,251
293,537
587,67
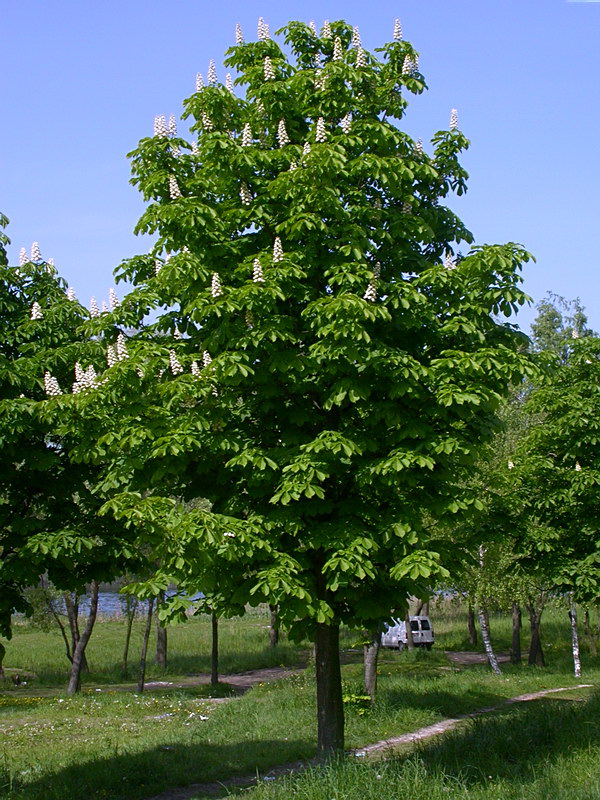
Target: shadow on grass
129,776
515,744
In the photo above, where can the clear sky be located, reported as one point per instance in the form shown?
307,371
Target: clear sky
81,82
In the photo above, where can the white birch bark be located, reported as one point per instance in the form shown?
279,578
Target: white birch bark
575,640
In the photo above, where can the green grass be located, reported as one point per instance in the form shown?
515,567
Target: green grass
115,745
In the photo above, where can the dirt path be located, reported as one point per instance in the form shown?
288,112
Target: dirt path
218,787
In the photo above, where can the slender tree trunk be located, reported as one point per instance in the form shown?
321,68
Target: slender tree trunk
214,650
589,633
79,652
410,642
63,632
72,604
330,706
161,637
274,627
536,654
515,650
142,673
484,624
2,654
131,609
471,626
371,655
575,640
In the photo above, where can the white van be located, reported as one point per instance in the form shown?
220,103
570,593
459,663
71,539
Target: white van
395,635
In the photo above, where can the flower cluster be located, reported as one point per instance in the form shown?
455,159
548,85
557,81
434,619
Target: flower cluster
71,293
371,293
312,27
397,31
346,123
337,49
36,254
199,82
113,299
229,83
94,310
361,60
326,30
84,378
215,286
195,369
36,311
321,135
51,385
453,119
172,127
174,190
419,147
121,349
207,122
355,37
206,359
23,257
257,272
268,70
245,194
195,148
211,75
449,262
174,364
247,135
408,66
277,250
319,81
239,35
282,135
111,356
306,149
160,126
263,30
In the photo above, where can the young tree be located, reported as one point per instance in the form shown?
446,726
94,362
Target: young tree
319,365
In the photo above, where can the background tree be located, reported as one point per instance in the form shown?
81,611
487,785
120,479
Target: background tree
317,363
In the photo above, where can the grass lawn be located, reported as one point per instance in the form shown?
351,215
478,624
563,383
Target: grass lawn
116,745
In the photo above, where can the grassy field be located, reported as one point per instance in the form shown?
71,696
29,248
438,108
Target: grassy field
113,745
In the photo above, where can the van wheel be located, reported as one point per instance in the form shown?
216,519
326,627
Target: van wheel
429,645
401,647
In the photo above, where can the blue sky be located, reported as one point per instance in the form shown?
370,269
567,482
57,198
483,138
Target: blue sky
81,83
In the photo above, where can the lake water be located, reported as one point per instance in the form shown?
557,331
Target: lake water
112,604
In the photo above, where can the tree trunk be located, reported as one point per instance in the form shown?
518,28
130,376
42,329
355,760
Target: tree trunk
161,638
330,706
214,651
79,651
132,605
371,654
590,633
142,673
72,605
484,624
536,654
471,626
575,640
422,608
410,642
2,654
274,627
515,650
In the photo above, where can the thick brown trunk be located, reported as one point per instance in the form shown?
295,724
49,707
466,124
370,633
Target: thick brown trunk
214,651
536,654
575,641
161,638
515,649
147,629
371,654
330,706
79,652
471,626
72,605
484,624
410,642
274,626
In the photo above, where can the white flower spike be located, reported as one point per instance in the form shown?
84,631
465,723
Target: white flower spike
356,37
199,82
160,126
282,135
245,195
268,70
326,30
174,364
94,310
313,27
397,31
157,266
36,311
23,257
174,190
111,356
211,75
51,385
71,294
346,123
121,347
113,299
36,254
453,119
574,334
195,148
577,466
408,66
195,369
419,147
229,83
337,49
215,286
361,60
449,262
206,359
306,149
257,272
207,122
277,250
172,128
247,135
321,135
319,81
104,307
239,34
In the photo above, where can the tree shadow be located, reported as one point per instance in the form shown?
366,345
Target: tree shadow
513,744
132,775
